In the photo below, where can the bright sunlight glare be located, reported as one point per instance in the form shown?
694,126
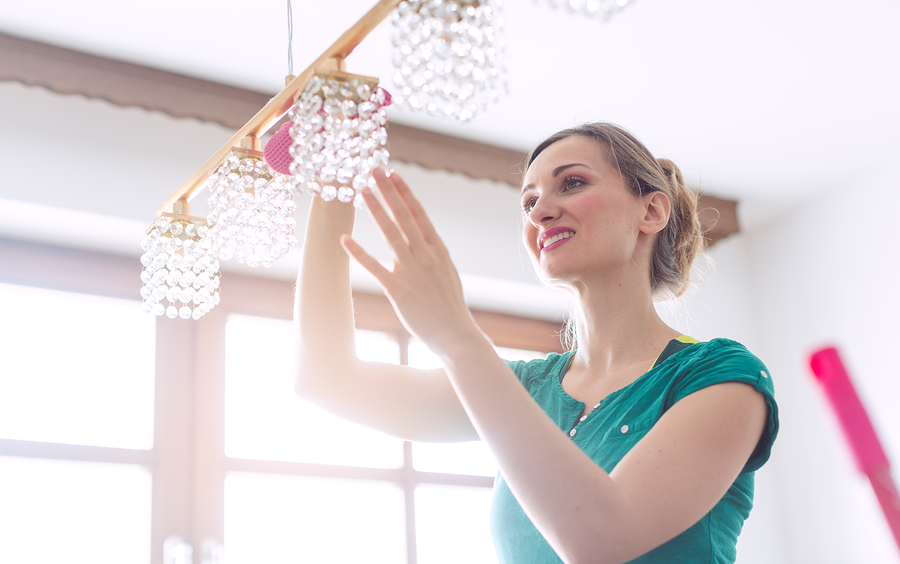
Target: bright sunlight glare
291,519
77,369
74,512
264,418
452,525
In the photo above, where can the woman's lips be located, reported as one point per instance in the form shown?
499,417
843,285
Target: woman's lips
555,237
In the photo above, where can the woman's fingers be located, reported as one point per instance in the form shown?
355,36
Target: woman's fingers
365,260
401,203
423,285
396,239
417,211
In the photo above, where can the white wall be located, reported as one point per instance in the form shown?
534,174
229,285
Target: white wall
826,274
823,274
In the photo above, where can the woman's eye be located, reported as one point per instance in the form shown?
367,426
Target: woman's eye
572,182
528,204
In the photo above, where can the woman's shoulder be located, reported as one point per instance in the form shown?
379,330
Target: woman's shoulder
718,361
708,362
719,350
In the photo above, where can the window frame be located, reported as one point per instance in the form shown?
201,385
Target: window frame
187,461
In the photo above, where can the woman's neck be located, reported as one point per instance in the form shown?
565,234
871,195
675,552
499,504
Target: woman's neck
618,327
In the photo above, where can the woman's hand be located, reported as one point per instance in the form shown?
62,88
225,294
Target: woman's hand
423,285
406,402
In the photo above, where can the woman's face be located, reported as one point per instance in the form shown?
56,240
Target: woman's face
580,219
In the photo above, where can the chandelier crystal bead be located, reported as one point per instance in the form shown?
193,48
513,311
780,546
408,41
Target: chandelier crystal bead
604,9
447,55
251,211
339,136
180,277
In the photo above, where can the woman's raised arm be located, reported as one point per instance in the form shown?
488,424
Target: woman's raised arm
402,401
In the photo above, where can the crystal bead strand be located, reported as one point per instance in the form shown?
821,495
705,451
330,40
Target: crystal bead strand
339,137
447,56
251,211
178,268
604,9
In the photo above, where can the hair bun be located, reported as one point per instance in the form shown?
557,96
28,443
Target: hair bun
688,240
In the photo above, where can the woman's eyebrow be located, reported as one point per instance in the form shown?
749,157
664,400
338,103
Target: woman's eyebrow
556,172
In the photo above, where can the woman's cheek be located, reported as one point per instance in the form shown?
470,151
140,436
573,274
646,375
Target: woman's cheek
529,238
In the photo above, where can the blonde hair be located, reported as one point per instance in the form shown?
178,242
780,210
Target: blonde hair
681,241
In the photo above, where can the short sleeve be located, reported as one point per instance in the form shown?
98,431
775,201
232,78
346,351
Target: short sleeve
729,361
533,373
518,368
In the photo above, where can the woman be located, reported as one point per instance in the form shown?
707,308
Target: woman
640,445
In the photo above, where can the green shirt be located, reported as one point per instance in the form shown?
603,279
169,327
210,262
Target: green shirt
620,421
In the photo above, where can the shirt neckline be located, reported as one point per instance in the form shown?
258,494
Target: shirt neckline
673,347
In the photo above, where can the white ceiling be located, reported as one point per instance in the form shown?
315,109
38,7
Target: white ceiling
763,101
766,102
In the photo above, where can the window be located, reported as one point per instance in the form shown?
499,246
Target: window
386,491
76,422
119,430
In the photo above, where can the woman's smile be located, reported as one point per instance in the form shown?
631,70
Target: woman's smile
554,237
571,189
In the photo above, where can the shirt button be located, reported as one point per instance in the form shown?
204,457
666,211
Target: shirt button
598,405
572,432
763,374
583,417
624,429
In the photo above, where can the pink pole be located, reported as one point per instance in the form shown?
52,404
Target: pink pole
867,452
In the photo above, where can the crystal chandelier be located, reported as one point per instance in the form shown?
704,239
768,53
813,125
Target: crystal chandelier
250,211
595,8
179,268
338,136
447,54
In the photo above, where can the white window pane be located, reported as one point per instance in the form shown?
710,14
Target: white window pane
452,525
471,458
377,346
264,418
73,512
507,353
272,519
420,356
75,369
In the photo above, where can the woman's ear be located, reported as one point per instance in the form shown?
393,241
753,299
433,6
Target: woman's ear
656,212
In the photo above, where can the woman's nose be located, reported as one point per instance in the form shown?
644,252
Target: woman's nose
544,210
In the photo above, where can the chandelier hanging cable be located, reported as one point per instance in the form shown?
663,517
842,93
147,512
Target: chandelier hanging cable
290,42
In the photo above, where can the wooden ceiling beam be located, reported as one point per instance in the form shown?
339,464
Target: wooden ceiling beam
441,152
65,71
